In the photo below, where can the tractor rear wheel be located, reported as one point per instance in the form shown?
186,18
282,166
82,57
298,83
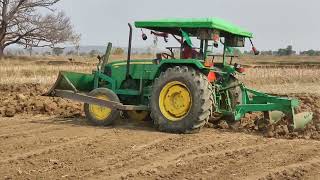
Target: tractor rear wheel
99,115
181,100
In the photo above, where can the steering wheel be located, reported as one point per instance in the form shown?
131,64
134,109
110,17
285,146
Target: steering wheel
166,56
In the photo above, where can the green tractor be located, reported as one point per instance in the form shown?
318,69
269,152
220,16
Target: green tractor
180,90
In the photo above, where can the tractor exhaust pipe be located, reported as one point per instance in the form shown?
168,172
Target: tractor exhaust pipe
254,49
129,52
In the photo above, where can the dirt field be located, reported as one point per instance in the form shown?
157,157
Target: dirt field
48,138
42,147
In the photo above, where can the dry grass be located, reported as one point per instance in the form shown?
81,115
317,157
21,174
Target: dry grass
43,74
262,76
280,60
44,70
283,80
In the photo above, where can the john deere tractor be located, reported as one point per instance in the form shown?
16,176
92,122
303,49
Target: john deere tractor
180,89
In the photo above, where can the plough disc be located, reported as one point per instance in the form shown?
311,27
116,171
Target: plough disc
299,120
302,119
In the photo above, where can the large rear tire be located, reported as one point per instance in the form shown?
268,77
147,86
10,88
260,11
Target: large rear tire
181,100
98,115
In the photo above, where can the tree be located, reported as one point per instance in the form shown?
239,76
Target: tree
310,52
93,53
71,52
118,51
286,52
46,53
267,53
22,23
57,51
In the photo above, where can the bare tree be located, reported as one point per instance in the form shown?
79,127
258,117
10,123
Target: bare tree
22,23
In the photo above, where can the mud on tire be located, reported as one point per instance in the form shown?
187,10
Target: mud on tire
201,105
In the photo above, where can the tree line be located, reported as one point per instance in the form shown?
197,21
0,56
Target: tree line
58,51
288,51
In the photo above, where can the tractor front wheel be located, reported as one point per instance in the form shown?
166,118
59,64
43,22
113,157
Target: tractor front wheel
181,100
98,115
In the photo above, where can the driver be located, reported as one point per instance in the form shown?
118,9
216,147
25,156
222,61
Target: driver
188,52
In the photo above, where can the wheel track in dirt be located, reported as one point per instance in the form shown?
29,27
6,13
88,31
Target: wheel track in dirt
152,145
69,145
294,171
30,127
21,120
54,146
88,152
31,132
42,151
33,142
190,155
221,165
43,137
155,151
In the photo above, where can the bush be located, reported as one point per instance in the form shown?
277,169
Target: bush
93,53
118,51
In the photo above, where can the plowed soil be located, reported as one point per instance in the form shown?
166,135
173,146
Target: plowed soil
41,147
48,138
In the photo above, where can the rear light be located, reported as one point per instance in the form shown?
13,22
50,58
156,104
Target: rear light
255,51
212,77
239,68
208,64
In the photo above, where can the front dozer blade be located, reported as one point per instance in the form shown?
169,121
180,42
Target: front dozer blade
76,82
75,86
302,119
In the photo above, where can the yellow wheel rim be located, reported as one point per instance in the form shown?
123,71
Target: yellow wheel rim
138,115
100,113
175,101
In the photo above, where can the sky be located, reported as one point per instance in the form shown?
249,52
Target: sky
274,23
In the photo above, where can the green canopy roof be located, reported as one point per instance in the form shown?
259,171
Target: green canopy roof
194,23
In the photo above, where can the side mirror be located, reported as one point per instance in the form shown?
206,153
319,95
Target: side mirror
144,36
255,51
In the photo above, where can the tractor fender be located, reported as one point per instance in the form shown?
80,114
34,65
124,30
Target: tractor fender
195,63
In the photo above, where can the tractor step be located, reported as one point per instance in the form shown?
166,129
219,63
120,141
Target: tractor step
92,100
